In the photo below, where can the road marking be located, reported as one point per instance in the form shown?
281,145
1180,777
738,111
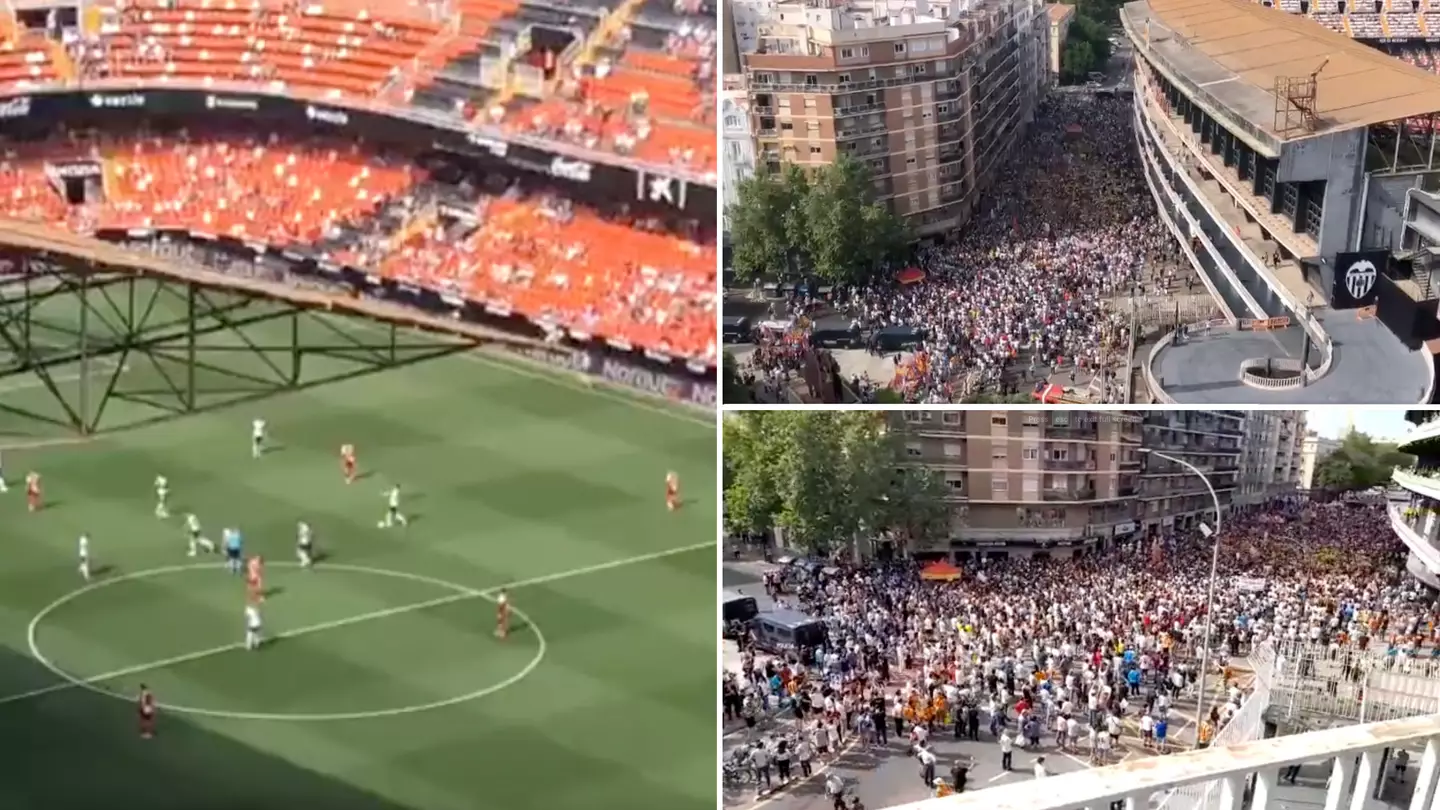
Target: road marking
997,777
312,717
779,792
330,625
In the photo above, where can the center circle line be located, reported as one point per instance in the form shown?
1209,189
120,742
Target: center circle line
459,592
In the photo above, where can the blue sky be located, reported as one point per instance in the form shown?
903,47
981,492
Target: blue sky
1387,423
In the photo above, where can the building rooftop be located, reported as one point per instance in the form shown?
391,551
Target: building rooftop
1059,11
1234,50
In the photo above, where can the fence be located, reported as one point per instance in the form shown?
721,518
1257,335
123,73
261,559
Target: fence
1246,725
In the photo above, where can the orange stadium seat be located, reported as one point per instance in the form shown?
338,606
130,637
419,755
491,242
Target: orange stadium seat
567,266
340,48
549,260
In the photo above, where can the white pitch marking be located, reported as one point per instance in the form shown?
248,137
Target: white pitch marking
330,625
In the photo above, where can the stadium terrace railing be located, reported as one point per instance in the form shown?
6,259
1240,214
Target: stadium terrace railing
1181,238
1142,124
1417,542
1416,483
1145,96
1297,309
1355,755
1425,431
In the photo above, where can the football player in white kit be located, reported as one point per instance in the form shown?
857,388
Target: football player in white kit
257,438
252,627
84,551
162,497
393,514
304,545
197,539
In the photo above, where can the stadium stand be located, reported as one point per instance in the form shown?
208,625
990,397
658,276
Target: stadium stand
634,80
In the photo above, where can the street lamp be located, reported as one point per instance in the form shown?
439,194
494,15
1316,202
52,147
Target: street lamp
1214,572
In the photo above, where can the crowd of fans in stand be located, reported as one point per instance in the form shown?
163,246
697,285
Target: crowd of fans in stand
1083,651
1070,225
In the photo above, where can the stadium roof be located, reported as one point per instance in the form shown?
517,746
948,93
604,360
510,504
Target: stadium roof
1239,42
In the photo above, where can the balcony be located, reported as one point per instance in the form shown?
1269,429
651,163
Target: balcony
1057,465
1068,495
1423,432
1228,769
1417,483
1420,545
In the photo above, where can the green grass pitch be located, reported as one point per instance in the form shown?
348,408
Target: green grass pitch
511,475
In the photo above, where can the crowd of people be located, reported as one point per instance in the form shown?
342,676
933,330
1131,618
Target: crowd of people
1024,290
1083,655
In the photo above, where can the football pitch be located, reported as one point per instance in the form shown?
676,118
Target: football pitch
383,686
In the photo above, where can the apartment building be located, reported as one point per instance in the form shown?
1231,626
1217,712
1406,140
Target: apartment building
1313,449
1061,16
930,95
1055,482
737,149
1028,482
1271,458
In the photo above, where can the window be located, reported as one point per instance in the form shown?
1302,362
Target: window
999,486
764,78
954,450
815,150
909,161
998,453
950,417
1032,486
1030,454
732,122
912,416
843,78
847,53
913,449
998,420
956,484
899,47
918,70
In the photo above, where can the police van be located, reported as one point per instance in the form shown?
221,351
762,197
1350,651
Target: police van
782,630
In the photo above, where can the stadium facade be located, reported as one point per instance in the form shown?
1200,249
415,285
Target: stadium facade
1055,482
931,96
1416,518
1289,161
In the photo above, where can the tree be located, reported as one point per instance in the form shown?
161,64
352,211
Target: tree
826,223
1076,61
915,507
763,222
826,478
1087,43
1359,462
